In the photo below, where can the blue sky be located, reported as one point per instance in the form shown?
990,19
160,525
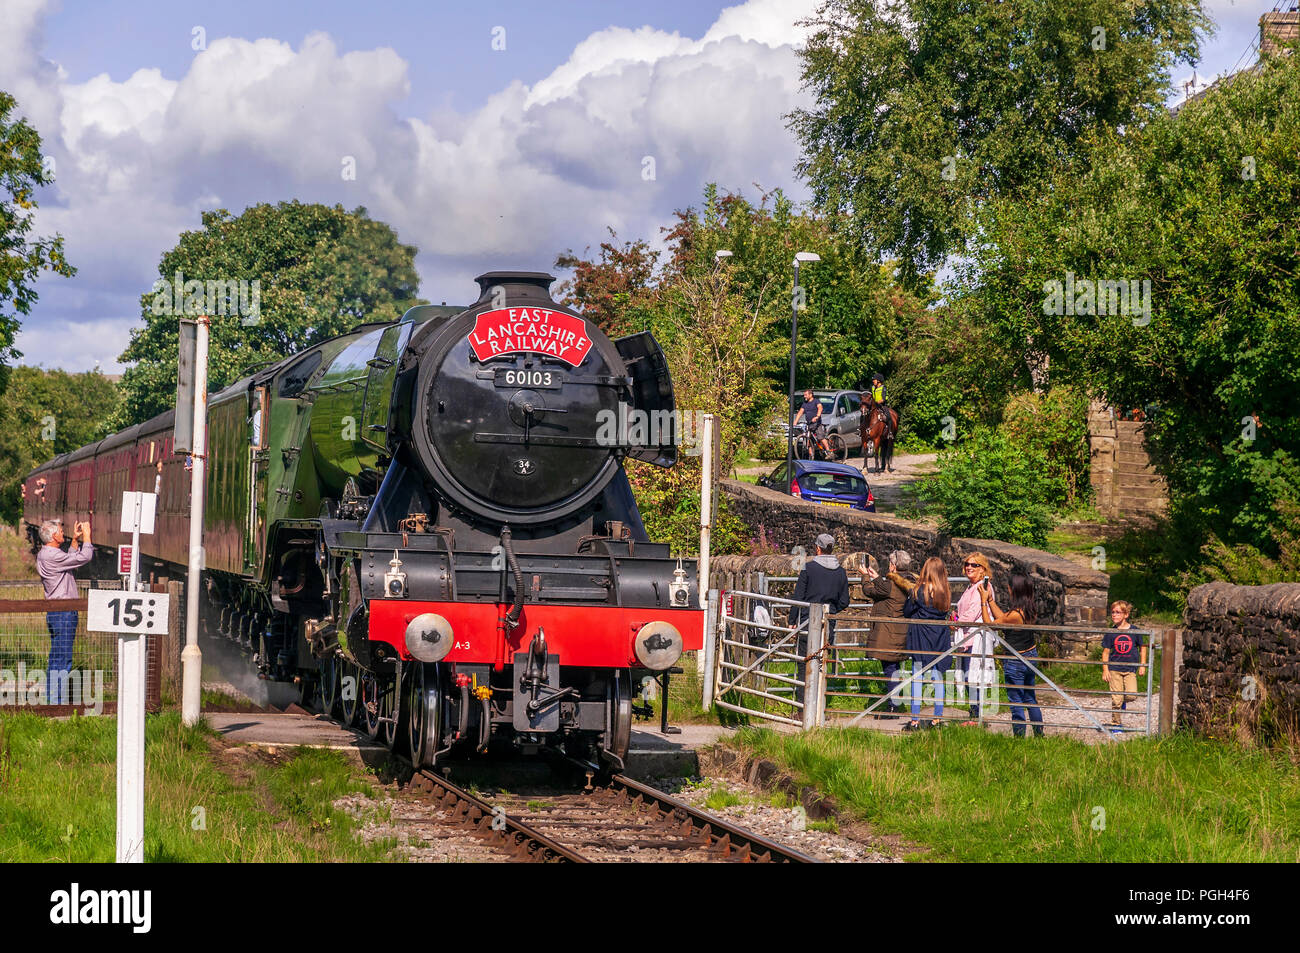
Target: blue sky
447,45
484,158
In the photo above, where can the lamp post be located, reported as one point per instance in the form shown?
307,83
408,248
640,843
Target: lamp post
794,341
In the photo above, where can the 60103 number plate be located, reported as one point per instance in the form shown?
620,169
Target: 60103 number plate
534,379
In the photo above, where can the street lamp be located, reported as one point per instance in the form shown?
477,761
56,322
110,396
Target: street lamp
794,341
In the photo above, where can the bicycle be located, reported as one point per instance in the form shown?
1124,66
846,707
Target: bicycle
832,447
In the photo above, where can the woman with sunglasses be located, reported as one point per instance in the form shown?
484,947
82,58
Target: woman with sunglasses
975,668
1019,677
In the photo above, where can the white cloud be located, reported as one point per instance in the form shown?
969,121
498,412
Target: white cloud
531,172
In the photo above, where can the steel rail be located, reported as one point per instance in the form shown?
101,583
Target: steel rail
519,839
723,836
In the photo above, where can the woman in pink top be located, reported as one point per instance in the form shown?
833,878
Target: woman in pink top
974,643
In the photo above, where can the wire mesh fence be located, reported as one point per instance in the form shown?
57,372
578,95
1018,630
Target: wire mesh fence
90,685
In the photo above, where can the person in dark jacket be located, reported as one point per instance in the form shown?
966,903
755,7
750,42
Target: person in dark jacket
822,579
929,599
886,642
1018,674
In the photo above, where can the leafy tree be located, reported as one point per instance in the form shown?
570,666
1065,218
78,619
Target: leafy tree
1201,206
717,346
1056,424
925,109
949,375
852,312
22,256
611,293
320,271
48,413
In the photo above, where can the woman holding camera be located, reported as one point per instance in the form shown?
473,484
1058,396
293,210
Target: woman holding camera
1019,677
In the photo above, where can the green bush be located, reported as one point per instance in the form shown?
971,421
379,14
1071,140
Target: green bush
1056,424
991,486
765,447
669,501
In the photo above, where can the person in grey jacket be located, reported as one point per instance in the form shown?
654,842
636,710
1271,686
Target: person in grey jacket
822,579
886,640
55,567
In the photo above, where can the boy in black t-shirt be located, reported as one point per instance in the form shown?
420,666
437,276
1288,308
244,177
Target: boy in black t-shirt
1123,659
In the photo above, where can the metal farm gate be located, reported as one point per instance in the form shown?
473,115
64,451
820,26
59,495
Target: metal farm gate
771,659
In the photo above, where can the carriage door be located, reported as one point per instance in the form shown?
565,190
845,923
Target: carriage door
259,425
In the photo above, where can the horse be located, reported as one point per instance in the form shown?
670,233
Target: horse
878,429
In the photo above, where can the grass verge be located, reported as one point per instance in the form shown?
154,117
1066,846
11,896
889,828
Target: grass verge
1137,560
966,795
203,802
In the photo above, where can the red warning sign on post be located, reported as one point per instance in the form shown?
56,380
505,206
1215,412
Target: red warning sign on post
124,557
540,330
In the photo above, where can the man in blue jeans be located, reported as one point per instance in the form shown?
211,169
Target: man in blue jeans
55,567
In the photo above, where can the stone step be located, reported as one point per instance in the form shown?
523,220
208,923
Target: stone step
1139,457
1130,445
1137,498
1138,481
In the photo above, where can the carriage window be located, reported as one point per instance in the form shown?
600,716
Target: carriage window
855,403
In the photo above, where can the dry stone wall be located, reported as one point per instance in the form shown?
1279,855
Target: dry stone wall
1241,661
1068,594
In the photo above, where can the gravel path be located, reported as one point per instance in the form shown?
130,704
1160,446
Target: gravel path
423,835
1061,721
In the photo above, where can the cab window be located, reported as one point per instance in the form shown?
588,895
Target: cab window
260,412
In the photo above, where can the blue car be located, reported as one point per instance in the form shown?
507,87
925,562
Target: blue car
835,484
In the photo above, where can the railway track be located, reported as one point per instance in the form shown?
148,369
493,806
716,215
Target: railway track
618,820
493,824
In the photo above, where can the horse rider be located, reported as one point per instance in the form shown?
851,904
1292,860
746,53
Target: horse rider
878,398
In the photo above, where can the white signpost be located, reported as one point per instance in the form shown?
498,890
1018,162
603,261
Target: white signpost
133,615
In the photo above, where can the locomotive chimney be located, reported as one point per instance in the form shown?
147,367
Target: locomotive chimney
531,285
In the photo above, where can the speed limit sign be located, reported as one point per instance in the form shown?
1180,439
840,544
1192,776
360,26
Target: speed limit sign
142,613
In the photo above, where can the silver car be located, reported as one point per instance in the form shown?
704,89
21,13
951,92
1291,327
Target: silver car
841,412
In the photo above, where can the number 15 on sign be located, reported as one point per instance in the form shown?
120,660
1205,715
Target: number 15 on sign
109,610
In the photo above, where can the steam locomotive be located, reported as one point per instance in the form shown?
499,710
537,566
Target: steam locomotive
427,525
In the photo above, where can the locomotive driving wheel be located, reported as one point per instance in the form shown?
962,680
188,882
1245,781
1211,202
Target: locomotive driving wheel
619,698
390,707
329,684
424,722
372,703
349,692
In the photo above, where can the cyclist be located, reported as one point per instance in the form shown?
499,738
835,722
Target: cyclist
810,411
